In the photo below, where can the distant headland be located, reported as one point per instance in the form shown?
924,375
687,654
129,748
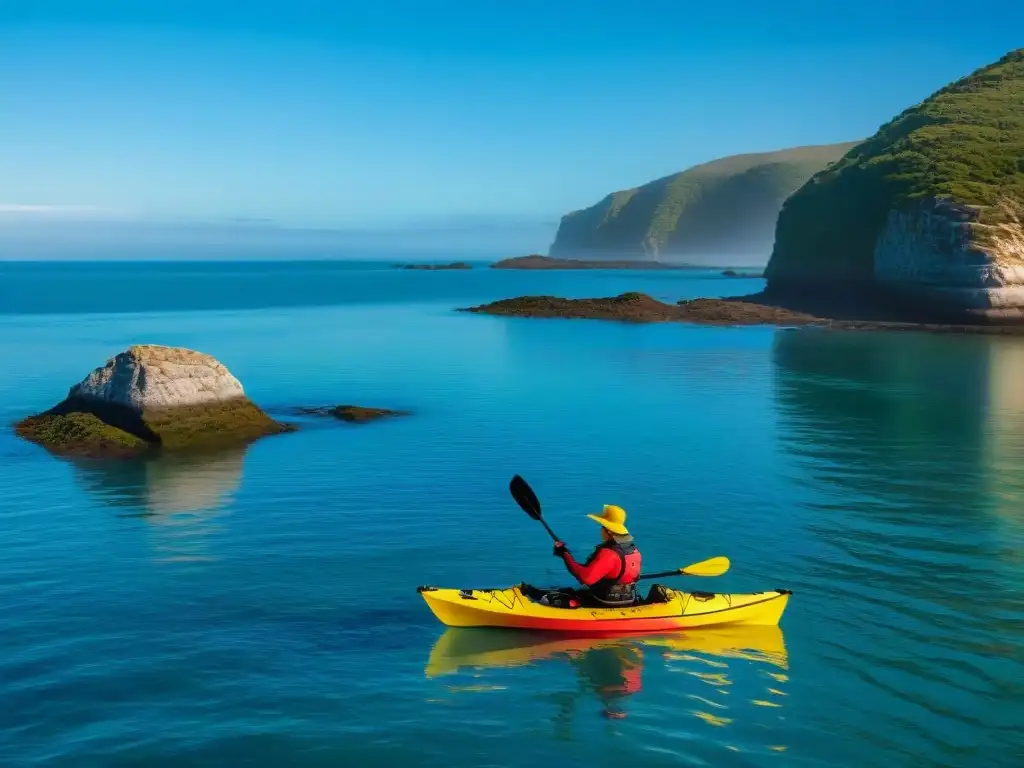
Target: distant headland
713,211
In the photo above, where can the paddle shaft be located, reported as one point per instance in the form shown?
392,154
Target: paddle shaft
662,575
548,529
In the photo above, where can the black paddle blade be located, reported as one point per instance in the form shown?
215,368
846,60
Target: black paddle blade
525,497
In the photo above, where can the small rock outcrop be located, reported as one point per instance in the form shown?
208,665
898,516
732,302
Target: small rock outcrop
150,398
356,414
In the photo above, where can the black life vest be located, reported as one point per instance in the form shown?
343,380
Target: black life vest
620,589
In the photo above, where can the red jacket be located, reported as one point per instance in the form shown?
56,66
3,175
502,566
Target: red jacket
605,563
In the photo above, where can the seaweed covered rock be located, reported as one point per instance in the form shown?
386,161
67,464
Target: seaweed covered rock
151,398
355,414
630,307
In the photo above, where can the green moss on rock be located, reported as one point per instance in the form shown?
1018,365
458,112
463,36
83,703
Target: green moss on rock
80,434
78,427
200,427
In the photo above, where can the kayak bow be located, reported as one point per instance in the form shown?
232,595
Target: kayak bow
515,608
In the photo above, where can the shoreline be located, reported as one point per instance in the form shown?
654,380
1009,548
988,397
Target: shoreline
851,312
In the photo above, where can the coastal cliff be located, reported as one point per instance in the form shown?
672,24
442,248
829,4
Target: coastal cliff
926,211
151,398
726,208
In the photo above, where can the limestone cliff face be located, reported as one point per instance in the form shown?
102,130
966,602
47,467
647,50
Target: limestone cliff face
152,376
937,252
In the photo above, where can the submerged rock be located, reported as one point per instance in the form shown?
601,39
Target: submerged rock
151,398
351,413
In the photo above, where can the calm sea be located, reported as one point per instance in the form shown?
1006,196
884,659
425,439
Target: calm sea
259,607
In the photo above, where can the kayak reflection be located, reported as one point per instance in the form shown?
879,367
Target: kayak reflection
610,668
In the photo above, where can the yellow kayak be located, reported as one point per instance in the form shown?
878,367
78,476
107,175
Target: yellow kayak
664,610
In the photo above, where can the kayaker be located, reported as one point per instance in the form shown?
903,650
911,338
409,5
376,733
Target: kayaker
611,571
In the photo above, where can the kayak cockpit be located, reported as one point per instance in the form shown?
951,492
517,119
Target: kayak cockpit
570,597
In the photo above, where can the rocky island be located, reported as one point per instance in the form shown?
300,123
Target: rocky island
854,314
722,209
151,398
537,261
641,308
436,267
355,414
919,227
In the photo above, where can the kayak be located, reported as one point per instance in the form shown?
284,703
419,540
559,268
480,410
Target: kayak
663,610
459,649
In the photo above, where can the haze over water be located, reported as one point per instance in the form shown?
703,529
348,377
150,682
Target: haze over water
259,607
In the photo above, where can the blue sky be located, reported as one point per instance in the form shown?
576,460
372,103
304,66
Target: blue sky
362,114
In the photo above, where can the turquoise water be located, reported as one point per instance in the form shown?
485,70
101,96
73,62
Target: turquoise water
259,608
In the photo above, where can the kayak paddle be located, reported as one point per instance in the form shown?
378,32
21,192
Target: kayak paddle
527,499
714,566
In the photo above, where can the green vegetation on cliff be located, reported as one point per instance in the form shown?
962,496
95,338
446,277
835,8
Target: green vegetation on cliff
965,142
726,207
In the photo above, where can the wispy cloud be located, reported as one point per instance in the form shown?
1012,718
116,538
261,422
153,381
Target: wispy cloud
70,211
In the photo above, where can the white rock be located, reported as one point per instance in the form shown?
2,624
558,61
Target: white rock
150,376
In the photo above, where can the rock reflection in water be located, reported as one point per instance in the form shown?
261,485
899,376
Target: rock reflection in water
907,449
181,498
615,671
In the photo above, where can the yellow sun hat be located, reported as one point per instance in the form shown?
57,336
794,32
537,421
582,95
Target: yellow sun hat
613,518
